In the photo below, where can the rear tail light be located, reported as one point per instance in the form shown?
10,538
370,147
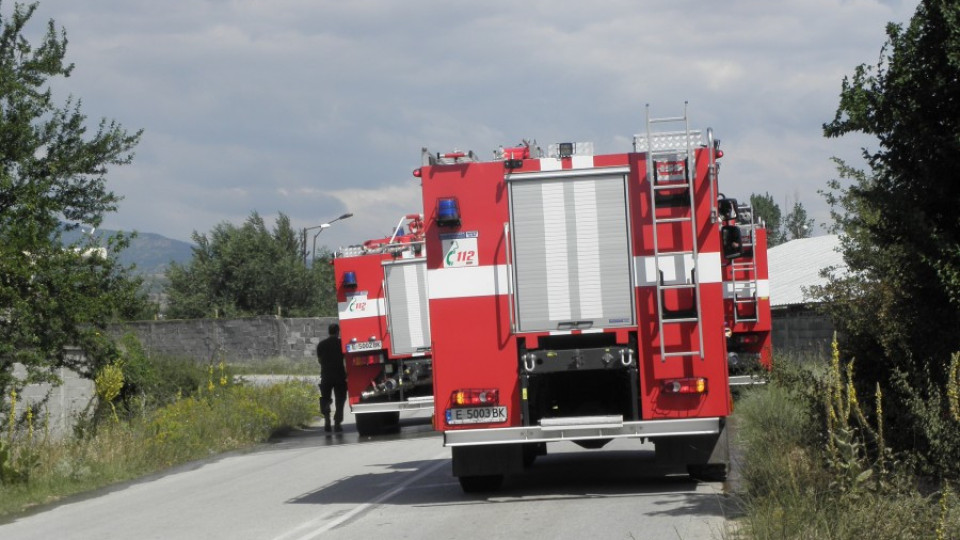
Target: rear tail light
690,385
474,397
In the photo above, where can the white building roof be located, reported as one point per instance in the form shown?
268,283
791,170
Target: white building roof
795,266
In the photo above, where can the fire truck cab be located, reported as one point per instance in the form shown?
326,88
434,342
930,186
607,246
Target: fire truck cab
385,326
577,297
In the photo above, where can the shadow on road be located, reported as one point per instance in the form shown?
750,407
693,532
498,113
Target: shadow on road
563,476
314,435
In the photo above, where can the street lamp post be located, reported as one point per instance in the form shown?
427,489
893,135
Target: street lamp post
313,250
322,226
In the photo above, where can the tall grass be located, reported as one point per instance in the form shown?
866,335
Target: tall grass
35,469
814,466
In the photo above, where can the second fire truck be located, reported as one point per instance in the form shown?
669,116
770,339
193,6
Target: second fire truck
385,326
578,297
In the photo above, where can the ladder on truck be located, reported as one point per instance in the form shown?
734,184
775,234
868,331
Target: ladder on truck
746,268
670,148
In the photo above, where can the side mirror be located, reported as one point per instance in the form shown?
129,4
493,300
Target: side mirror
731,241
727,209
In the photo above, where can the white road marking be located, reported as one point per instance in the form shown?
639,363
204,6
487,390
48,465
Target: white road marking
343,518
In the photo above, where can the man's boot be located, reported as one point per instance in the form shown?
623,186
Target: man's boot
326,425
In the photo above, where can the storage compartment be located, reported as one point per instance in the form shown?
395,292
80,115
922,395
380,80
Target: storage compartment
579,376
581,393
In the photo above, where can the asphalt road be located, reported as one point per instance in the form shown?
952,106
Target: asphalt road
315,485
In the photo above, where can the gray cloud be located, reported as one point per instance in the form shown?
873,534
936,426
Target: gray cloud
314,108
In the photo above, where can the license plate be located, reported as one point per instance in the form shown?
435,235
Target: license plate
364,346
477,415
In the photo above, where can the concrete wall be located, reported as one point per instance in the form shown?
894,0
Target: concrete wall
800,329
237,341
61,403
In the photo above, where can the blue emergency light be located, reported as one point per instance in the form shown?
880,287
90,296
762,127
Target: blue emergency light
448,212
350,280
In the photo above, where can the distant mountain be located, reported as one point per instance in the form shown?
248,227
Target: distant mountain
151,253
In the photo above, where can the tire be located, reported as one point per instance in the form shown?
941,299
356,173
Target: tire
480,484
709,472
377,423
390,422
531,451
368,424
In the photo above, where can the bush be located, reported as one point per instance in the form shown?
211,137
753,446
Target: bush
815,467
231,417
157,381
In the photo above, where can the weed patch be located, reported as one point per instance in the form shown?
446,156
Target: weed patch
816,465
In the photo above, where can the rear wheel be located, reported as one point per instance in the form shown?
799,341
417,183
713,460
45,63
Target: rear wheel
377,423
531,451
368,424
390,422
480,484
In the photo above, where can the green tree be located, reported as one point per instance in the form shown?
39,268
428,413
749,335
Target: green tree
767,210
900,304
249,271
52,171
796,224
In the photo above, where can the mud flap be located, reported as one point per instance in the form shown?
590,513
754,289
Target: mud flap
485,460
695,450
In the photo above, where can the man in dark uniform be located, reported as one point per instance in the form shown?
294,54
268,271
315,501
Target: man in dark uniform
333,378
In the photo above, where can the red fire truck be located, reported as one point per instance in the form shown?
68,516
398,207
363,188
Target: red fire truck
746,293
578,297
385,326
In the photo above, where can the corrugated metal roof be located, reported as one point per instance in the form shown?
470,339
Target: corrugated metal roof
795,266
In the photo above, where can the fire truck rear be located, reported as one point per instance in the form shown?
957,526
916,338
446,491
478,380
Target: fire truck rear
577,297
746,292
385,326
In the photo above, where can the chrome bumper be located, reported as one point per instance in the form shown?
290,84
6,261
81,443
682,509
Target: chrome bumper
746,380
413,404
583,428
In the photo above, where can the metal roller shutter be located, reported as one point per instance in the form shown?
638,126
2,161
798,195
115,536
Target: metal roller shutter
571,252
406,299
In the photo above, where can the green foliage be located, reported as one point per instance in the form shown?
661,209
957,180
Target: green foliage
140,384
796,224
154,382
813,466
108,383
10,473
781,228
238,415
765,208
249,271
923,416
53,171
899,306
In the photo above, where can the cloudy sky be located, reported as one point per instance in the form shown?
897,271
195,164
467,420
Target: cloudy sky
314,108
